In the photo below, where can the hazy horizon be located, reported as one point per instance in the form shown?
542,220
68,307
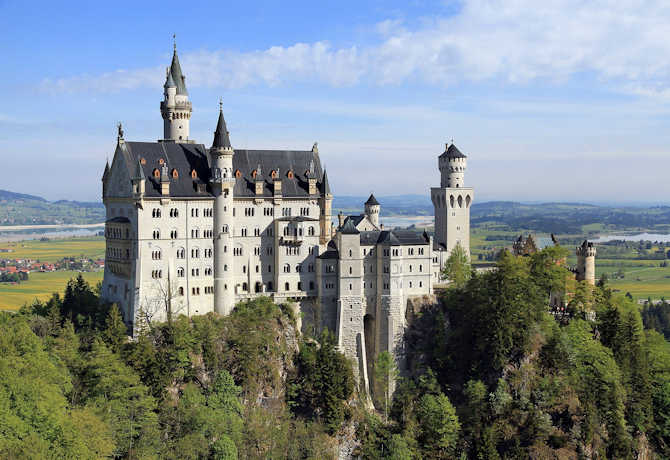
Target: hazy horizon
560,101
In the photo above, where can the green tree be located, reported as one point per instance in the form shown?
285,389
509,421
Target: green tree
386,372
439,426
323,382
457,267
116,332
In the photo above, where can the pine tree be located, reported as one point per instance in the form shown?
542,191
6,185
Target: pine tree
116,332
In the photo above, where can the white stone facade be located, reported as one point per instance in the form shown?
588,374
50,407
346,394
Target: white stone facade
194,230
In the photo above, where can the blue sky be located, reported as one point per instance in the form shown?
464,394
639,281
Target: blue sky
557,100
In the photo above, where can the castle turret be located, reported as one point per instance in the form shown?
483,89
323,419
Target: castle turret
138,181
175,107
326,203
222,182
372,209
586,262
452,202
452,164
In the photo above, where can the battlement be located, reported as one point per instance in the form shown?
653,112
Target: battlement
587,249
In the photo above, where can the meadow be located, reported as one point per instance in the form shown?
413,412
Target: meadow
55,249
40,286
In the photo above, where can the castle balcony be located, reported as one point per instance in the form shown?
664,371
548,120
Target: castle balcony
180,105
290,240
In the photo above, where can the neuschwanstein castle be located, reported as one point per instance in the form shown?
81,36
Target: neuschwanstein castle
197,229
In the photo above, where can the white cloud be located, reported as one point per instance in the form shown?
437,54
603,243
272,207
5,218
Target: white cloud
626,42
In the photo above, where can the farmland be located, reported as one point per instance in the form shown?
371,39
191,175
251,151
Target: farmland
40,286
55,249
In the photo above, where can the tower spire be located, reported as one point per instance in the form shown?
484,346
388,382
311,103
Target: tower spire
221,135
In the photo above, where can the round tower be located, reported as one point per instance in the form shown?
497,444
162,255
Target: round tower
175,107
586,262
452,164
222,182
372,209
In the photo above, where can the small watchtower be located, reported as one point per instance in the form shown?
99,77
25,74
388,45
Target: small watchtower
372,209
586,262
452,164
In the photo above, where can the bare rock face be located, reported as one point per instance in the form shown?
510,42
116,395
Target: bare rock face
415,305
347,443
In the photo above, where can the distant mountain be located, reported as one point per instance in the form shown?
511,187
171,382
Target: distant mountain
23,209
6,195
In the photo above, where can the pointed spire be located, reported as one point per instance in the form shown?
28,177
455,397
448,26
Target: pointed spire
372,201
104,174
221,137
139,172
348,228
175,72
169,81
325,186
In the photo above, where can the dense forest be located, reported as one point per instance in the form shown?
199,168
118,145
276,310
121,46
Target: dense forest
490,374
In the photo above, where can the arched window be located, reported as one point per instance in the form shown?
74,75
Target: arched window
310,231
286,287
451,201
467,201
287,268
194,174
181,290
175,174
460,201
180,272
244,287
156,173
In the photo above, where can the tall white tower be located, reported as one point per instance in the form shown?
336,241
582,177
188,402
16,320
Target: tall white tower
175,107
372,209
452,202
222,182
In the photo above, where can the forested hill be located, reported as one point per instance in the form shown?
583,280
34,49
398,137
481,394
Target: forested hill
563,218
491,375
22,209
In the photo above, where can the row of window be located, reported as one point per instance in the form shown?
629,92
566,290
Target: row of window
117,233
174,212
117,253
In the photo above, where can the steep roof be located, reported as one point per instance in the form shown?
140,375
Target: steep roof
348,228
177,76
169,81
451,151
325,185
186,158
372,201
221,137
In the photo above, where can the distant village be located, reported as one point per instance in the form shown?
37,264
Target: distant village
17,270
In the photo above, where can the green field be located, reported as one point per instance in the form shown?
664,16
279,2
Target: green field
56,249
642,278
39,286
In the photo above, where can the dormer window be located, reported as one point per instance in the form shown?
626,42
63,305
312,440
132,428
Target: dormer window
156,173
143,161
254,173
175,174
161,161
194,174
289,174
274,174
238,174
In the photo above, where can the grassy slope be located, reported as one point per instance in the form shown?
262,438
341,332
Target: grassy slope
41,286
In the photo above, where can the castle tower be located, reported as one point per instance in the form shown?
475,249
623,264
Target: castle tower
452,202
222,183
372,209
326,204
586,262
175,107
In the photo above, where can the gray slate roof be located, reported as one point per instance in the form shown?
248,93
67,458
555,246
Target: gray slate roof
177,76
221,137
451,151
348,228
372,200
188,157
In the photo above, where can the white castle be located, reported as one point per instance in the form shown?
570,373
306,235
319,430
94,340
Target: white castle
193,230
